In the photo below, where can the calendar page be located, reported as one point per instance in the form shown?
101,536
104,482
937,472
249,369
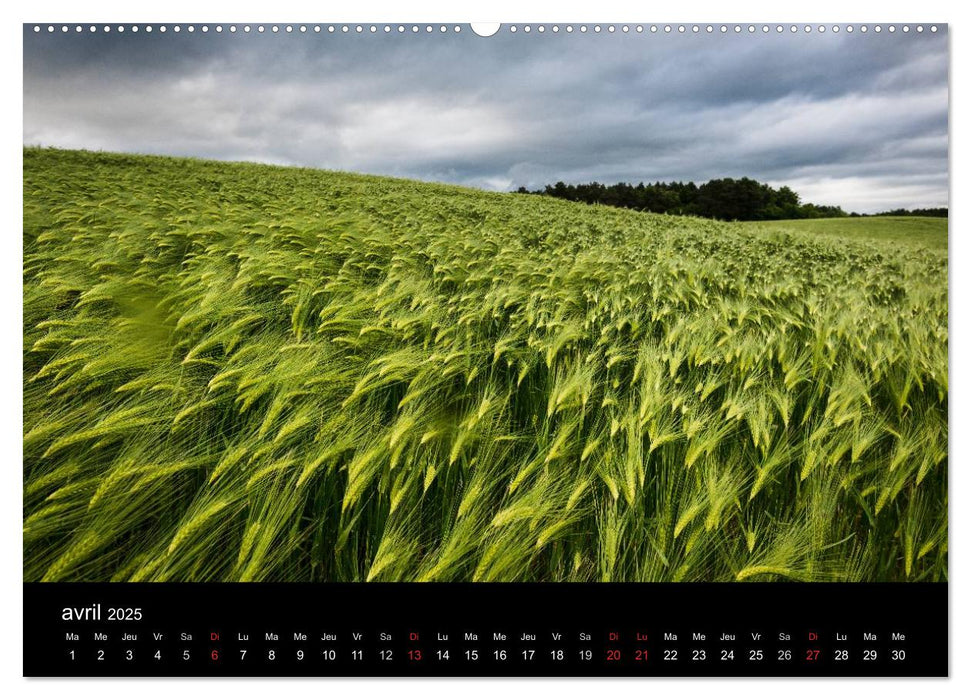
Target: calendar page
435,349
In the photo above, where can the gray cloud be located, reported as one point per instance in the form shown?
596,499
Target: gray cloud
855,120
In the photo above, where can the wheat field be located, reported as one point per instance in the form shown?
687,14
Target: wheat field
237,372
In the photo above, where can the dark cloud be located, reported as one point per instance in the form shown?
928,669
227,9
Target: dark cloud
858,120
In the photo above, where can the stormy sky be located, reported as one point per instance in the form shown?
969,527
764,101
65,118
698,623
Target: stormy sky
856,120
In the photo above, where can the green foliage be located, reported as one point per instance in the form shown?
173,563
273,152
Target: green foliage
934,212
726,199
242,372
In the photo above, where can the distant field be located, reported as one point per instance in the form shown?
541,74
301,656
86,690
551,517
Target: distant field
241,372
924,231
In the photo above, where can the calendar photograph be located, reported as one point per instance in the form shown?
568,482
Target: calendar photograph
454,304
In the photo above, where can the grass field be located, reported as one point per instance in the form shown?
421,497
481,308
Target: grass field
912,231
242,372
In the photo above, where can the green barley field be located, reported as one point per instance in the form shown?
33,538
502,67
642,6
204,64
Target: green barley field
237,372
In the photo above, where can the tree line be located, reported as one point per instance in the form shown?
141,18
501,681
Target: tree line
934,211
727,199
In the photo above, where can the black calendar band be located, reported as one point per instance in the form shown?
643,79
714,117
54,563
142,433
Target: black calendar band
512,629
